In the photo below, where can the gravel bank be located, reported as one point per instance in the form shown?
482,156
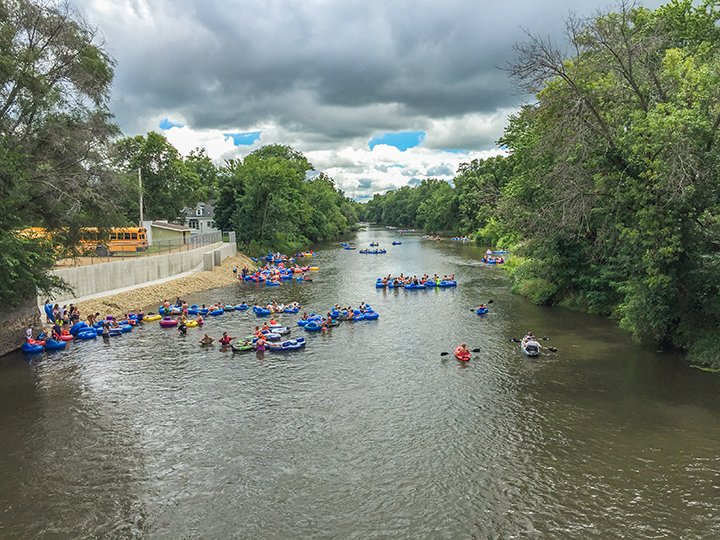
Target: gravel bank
153,295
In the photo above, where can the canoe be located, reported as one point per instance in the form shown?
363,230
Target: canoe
532,351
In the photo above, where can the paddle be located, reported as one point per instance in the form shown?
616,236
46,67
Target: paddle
446,353
486,303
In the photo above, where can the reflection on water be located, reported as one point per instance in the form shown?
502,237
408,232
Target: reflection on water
368,432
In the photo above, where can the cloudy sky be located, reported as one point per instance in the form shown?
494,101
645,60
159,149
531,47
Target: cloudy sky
377,94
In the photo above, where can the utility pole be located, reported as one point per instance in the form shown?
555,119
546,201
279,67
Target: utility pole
141,194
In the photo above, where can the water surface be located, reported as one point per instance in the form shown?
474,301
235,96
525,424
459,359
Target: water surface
369,432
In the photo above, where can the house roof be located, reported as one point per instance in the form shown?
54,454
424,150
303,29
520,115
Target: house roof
170,226
205,207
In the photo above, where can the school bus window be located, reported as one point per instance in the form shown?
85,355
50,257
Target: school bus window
134,236
127,236
113,236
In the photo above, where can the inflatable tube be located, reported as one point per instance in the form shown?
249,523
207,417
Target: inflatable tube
371,315
191,324
242,307
312,326
149,318
87,334
193,311
241,348
125,328
48,312
261,311
282,330
271,283
66,337
76,327
204,311
272,336
481,311
228,308
30,348
216,312
289,345
52,345
115,332
167,322
291,310
313,268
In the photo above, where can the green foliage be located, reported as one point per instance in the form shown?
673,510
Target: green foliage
55,132
168,184
25,264
614,171
268,201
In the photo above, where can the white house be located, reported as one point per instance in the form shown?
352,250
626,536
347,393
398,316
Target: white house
200,218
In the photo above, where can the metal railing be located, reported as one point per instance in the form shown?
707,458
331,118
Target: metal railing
159,247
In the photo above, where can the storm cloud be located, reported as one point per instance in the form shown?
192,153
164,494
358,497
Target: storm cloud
325,77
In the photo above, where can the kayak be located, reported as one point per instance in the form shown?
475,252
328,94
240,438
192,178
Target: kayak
531,351
462,357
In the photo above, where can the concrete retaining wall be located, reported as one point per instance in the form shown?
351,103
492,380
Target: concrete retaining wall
99,278
13,324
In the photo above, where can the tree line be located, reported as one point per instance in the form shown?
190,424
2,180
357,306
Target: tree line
610,191
64,164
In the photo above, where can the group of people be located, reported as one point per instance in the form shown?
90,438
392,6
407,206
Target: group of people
402,280
274,307
63,318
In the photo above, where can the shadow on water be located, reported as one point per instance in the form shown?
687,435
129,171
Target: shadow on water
368,431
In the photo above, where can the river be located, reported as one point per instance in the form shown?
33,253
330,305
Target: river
368,432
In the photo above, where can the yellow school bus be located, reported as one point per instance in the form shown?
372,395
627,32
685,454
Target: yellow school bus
118,239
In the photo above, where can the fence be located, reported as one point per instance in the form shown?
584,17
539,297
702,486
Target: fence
159,247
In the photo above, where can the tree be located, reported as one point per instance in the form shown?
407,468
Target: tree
616,166
55,130
168,184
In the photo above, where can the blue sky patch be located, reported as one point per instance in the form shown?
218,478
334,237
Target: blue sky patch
402,140
167,124
244,139
452,151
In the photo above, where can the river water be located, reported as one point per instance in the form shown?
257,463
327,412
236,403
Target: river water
368,432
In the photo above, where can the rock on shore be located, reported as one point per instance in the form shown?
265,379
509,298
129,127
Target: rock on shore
153,295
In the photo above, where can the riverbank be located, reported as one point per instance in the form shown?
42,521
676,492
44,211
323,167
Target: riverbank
130,301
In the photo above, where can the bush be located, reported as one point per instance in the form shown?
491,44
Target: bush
537,290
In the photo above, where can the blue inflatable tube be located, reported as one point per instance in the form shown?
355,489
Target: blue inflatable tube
125,328
30,348
261,311
52,345
204,311
76,327
242,307
88,334
312,326
216,312
291,310
48,312
193,311
371,315
271,283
